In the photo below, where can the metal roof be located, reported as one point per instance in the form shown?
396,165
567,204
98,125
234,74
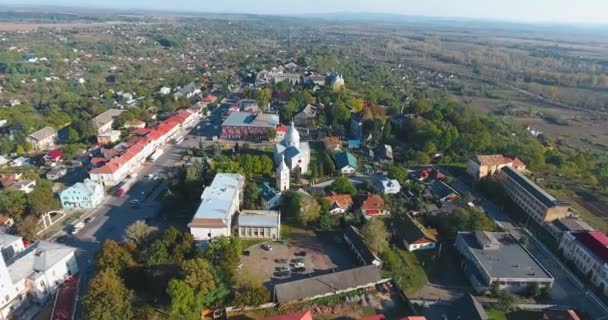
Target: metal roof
259,218
39,257
532,188
217,198
246,119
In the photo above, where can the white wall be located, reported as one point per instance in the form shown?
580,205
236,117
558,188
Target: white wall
202,234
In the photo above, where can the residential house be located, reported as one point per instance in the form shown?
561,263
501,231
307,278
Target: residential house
18,162
385,185
354,144
307,117
108,137
56,173
30,276
6,223
588,253
82,195
430,174
442,192
334,80
259,224
188,91
372,205
164,91
43,139
104,121
8,179
384,154
219,202
356,242
414,235
248,105
52,156
25,186
333,143
498,257
346,162
134,124
531,198
271,198
481,166
340,203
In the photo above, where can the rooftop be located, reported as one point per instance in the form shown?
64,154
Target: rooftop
536,191
595,241
39,257
246,119
326,284
413,232
300,315
42,133
340,200
346,158
217,198
492,159
106,117
259,218
357,239
7,239
503,256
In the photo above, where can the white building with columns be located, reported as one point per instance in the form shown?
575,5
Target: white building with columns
294,153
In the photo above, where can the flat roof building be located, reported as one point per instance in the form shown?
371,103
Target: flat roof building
588,253
531,198
491,257
259,224
249,126
219,201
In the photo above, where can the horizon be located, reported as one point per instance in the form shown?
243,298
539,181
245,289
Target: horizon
559,13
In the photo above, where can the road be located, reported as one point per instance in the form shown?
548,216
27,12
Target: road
567,289
113,216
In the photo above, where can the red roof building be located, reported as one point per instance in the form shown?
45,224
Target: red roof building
372,205
301,315
210,99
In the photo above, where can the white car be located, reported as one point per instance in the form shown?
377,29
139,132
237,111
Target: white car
298,265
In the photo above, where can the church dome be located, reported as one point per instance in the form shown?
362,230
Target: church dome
292,137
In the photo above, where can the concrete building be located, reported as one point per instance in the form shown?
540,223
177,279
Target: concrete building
259,224
43,139
588,253
249,126
219,201
283,175
531,198
82,195
31,275
296,154
25,186
490,257
104,121
481,166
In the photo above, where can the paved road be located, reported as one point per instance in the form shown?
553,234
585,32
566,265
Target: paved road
567,289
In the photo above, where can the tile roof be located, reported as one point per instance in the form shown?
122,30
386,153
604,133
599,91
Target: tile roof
492,159
342,201
372,202
413,232
595,241
301,315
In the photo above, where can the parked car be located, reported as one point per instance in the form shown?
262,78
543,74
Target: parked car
89,219
246,252
298,269
282,274
300,254
299,265
62,239
267,247
280,269
280,260
297,260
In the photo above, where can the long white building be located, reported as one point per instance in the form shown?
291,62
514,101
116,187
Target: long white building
219,202
32,274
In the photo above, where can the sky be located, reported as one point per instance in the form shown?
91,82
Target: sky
563,11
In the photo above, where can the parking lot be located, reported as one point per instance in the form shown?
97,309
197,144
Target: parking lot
303,255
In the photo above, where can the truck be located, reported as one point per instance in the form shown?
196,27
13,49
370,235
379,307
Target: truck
126,185
77,227
156,155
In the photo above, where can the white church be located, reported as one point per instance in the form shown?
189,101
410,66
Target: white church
295,154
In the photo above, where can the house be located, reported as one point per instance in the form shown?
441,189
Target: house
481,166
346,162
246,126
372,205
490,257
385,185
209,99
188,91
25,186
52,156
108,137
354,144
334,80
384,154
333,143
556,313
56,173
326,284
531,198
31,275
18,162
134,124
6,223
306,117
82,195
271,198
248,105
300,315
43,139
441,191
414,235
340,203
587,251
8,179
219,202
431,174
355,241
104,121
3,160
164,91
259,224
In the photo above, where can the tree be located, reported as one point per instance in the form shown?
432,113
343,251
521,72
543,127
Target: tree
13,203
342,185
397,172
356,104
263,98
465,219
225,252
251,292
375,234
28,227
107,298
157,253
73,135
303,208
185,302
251,195
113,257
329,167
42,200
272,134
505,300
139,231
199,275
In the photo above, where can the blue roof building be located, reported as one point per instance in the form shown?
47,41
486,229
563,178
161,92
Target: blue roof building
82,195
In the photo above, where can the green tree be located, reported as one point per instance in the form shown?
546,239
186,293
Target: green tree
73,135
250,291
263,99
251,196
113,257
185,302
139,231
225,252
42,200
107,298
199,275
397,172
13,203
158,253
342,185
329,167
375,234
